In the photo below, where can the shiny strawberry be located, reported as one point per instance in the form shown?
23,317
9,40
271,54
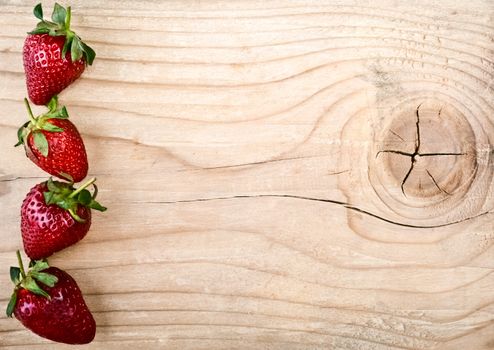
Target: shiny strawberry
53,143
54,56
54,216
57,310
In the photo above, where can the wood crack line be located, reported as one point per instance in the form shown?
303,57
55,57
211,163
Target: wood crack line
331,201
9,179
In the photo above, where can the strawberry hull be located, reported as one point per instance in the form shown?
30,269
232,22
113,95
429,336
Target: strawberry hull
47,229
47,72
64,317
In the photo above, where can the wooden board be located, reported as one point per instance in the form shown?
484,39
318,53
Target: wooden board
279,174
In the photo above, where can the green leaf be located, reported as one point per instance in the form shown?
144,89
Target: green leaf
95,205
39,31
38,11
48,24
53,104
41,143
63,113
21,134
53,186
49,197
66,189
66,46
15,274
88,52
60,114
45,278
50,127
76,49
44,27
58,15
59,32
31,285
67,18
39,265
12,302
84,197
66,204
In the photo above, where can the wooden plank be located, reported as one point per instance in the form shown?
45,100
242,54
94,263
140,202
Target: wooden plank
279,174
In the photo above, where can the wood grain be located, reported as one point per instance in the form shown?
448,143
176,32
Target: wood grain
280,174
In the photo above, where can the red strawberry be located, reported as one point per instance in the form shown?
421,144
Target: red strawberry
53,143
57,311
54,216
54,56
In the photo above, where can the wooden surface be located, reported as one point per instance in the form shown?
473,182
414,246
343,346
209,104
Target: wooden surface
279,174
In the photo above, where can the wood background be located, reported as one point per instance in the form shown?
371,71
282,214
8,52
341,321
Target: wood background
269,180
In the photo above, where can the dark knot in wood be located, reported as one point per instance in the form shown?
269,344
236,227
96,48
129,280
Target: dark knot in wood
416,154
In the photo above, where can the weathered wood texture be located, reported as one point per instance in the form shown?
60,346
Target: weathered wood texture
280,174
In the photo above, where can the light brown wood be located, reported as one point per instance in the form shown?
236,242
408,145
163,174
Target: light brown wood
254,159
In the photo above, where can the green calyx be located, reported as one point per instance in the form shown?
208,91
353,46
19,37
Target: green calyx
35,125
67,197
61,27
29,280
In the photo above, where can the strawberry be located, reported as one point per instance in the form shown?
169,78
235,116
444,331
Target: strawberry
54,216
54,56
57,311
53,143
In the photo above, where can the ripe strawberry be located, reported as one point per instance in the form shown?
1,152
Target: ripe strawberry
54,216
57,311
54,56
53,143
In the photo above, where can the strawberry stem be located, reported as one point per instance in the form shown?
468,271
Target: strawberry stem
29,111
76,192
21,265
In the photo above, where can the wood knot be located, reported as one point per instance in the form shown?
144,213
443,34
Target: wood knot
418,161
427,153
424,160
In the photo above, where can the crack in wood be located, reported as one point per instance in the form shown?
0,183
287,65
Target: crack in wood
394,151
435,183
417,124
9,179
396,134
406,176
441,154
346,205
415,152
